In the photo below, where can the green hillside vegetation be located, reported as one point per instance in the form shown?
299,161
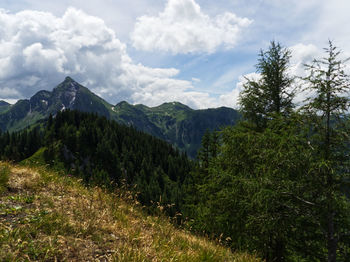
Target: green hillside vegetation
103,152
50,216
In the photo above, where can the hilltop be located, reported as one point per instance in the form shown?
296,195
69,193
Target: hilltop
50,216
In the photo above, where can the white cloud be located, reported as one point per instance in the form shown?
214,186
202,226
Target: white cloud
183,28
8,92
302,54
39,49
231,99
10,101
332,23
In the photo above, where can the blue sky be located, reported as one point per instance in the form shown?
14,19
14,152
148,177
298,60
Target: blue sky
155,51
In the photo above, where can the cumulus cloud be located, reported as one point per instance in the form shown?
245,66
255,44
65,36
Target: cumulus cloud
303,54
183,28
8,92
38,49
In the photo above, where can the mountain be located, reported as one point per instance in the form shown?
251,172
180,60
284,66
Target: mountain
67,95
173,122
4,106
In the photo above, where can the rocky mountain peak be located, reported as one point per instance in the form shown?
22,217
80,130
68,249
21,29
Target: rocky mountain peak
69,84
66,93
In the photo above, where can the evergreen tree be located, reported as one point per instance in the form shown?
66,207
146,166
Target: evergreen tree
326,113
204,151
271,94
254,191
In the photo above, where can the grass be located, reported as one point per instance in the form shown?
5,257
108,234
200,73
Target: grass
4,177
49,217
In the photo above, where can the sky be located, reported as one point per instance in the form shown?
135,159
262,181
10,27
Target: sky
197,52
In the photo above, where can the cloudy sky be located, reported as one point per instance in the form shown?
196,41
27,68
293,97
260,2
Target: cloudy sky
155,51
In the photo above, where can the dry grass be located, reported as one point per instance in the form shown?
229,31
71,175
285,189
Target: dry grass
47,217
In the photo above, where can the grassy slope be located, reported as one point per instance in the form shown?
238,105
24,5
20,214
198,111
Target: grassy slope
50,217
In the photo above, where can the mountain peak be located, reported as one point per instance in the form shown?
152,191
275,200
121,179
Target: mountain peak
173,106
123,103
69,79
68,85
64,95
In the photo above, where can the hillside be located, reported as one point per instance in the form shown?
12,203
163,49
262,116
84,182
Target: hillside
103,152
173,122
47,216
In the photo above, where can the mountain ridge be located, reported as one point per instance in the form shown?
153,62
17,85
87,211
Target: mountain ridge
4,106
173,122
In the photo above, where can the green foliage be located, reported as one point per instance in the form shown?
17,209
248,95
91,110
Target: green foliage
279,182
325,113
254,188
209,150
101,150
271,94
20,145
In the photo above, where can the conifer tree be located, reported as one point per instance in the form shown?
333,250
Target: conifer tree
271,94
326,113
204,151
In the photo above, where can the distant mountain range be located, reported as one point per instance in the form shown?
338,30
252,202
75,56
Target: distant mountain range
173,122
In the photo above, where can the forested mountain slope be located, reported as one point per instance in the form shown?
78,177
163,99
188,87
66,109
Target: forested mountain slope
103,152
